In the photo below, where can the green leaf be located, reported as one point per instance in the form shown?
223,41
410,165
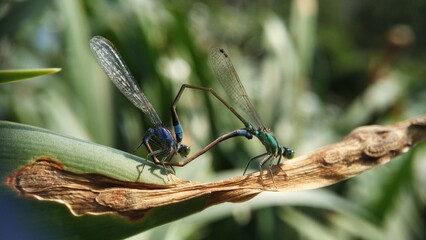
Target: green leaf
17,74
21,144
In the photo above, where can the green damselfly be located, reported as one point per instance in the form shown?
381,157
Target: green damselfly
225,73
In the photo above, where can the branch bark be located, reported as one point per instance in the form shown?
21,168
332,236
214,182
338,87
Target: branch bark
363,149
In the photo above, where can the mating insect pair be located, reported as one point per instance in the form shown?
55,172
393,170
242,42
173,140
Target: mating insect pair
166,145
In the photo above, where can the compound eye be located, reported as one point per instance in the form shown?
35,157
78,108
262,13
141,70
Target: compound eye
289,153
184,150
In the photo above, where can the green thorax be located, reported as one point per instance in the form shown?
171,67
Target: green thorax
269,141
266,137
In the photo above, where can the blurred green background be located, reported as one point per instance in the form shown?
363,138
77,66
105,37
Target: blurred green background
314,69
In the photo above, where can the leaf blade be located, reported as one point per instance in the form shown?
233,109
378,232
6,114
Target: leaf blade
13,75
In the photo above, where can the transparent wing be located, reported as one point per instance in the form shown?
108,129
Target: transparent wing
114,66
225,72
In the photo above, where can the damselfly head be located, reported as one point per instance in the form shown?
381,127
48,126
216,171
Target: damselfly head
288,153
183,150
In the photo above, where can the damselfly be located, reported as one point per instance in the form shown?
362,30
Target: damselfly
166,145
225,73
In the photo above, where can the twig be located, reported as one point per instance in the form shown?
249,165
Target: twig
364,148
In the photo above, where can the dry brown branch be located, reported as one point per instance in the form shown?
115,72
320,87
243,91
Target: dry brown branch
364,148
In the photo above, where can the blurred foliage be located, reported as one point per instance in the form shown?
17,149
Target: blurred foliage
315,70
